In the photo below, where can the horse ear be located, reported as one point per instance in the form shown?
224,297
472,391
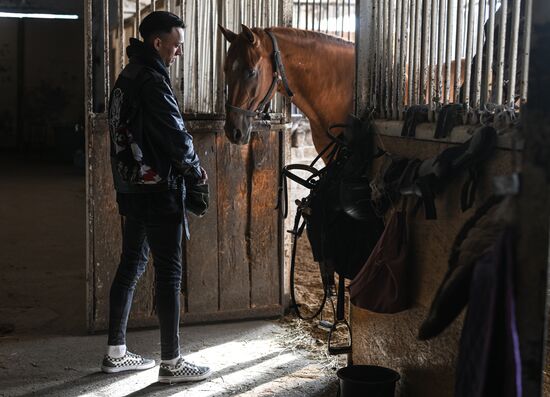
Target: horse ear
249,34
228,34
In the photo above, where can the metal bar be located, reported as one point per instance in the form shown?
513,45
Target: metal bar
449,50
390,54
469,52
396,86
526,48
195,18
417,52
459,53
479,53
412,57
365,43
501,50
349,18
441,49
379,40
121,33
342,32
137,19
488,75
307,14
336,19
106,51
514,52
404,45
426,43
384,55
153,4
432,90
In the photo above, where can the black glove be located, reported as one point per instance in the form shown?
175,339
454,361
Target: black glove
197,198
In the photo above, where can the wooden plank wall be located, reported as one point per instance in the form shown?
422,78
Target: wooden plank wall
233,264
232,261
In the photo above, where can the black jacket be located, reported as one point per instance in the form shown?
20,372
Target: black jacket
151,150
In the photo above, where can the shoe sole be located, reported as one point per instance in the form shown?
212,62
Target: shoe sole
112,370
182,379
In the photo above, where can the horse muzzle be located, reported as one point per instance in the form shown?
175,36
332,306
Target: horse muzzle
236,135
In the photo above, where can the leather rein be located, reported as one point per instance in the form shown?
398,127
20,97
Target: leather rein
278,75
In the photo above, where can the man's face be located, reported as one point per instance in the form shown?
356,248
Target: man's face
169,45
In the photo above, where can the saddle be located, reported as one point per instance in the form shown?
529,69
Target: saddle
342,226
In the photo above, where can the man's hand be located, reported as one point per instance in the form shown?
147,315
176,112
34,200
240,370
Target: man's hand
204,177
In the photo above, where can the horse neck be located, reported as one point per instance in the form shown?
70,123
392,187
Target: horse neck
321,75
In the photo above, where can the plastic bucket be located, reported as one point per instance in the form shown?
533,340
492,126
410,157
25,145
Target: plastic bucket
367,381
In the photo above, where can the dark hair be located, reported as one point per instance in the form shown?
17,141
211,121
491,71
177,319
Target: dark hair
159,22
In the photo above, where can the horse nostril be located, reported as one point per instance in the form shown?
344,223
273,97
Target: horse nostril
237,134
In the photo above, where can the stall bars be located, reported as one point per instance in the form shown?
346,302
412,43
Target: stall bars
416,44
197,76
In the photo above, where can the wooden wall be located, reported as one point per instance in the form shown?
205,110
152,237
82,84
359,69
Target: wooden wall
233,262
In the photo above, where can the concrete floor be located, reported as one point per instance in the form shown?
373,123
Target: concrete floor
256,358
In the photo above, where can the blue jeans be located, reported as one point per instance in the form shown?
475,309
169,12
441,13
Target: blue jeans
164,240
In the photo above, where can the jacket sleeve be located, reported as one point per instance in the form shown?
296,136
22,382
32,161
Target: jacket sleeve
168,129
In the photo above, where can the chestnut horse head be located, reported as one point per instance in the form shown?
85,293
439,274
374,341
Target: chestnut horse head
315,69
251,77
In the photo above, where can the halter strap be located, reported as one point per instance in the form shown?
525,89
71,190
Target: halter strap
279,74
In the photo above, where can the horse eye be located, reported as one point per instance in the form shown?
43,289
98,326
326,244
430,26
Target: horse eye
251,73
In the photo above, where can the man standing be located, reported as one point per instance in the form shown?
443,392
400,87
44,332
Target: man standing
153,161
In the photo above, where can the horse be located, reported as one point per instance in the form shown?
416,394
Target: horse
316,70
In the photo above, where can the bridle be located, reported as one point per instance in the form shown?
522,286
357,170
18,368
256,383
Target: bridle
278,75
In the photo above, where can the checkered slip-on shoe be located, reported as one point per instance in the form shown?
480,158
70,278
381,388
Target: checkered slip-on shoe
129,362
183,371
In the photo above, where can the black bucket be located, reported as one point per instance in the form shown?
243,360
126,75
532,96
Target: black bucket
367,381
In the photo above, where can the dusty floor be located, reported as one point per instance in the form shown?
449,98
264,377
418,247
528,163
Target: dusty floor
41,256
256,358
43,244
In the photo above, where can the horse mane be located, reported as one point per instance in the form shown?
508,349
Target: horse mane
312,35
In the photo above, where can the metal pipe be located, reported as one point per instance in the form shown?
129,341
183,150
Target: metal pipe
526,48
336,20
479,53
398,60
404,45
441,49
307,14
469,51
153,4
488,72
432,90
412,57
349,18
514,52
379,41
417,52
501,50
342,32
385,54
459,53
450,38
137,19
299,14
426,44
121,33
106,51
